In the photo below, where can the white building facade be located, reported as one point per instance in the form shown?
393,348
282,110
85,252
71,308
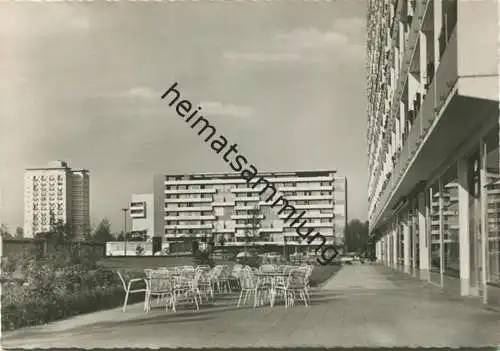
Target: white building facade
56,193
221,205
433,141
142,214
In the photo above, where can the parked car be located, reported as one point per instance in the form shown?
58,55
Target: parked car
248,258
346,259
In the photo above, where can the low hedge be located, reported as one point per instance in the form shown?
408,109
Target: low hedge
33,310
41,291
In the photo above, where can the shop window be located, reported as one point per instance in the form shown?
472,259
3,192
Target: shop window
401,242
434,225
449,214
492,190
416,233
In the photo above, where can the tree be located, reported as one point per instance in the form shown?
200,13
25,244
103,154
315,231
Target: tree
252,227
139,250
120,236
103,232
59,231
19,233
356,235
4,232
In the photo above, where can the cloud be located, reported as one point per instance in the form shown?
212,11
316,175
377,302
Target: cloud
217,108
351,25
142,93
344,40
262,57
312,38
26,21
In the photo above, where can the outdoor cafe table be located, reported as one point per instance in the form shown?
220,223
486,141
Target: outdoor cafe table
271,278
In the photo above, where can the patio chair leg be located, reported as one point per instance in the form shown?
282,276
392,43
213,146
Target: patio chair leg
196,302
239,299
146,301
174,300
303,296
125,303
307,295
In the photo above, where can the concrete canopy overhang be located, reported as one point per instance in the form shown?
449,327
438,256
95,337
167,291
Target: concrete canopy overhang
461,118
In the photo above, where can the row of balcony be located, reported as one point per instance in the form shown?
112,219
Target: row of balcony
409,49
242,181
245,216
244,226
244,198
250,190
243,235
246,207
434,100
292,242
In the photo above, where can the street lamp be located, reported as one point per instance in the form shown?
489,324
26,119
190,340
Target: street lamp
125,228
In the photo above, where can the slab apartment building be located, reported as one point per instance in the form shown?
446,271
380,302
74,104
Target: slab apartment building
433,141
59,193
223,205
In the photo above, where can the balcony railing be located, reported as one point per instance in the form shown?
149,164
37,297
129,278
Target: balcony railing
419,130
409,53
447,73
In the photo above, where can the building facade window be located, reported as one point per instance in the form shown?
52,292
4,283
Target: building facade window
434,227
492,213
450,230
415,232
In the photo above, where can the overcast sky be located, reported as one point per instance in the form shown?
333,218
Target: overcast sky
82,83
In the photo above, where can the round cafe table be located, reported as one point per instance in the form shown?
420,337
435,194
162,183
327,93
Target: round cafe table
271,279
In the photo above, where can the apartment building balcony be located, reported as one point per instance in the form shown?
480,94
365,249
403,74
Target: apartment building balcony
247,198
314,206
246,190
187,209
141,214
223,204
189,218
318,225
297,179
308,188
189,226
205,182
189,199
244,207
458,102
271,230
309,197
247,216
311,215
244,226
220,230
190,191
409,52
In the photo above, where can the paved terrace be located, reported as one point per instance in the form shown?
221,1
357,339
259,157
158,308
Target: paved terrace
362,305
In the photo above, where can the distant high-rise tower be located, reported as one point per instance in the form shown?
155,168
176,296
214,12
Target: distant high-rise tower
56,192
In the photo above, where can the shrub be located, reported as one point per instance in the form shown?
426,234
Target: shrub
26,310
59,286
203,258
